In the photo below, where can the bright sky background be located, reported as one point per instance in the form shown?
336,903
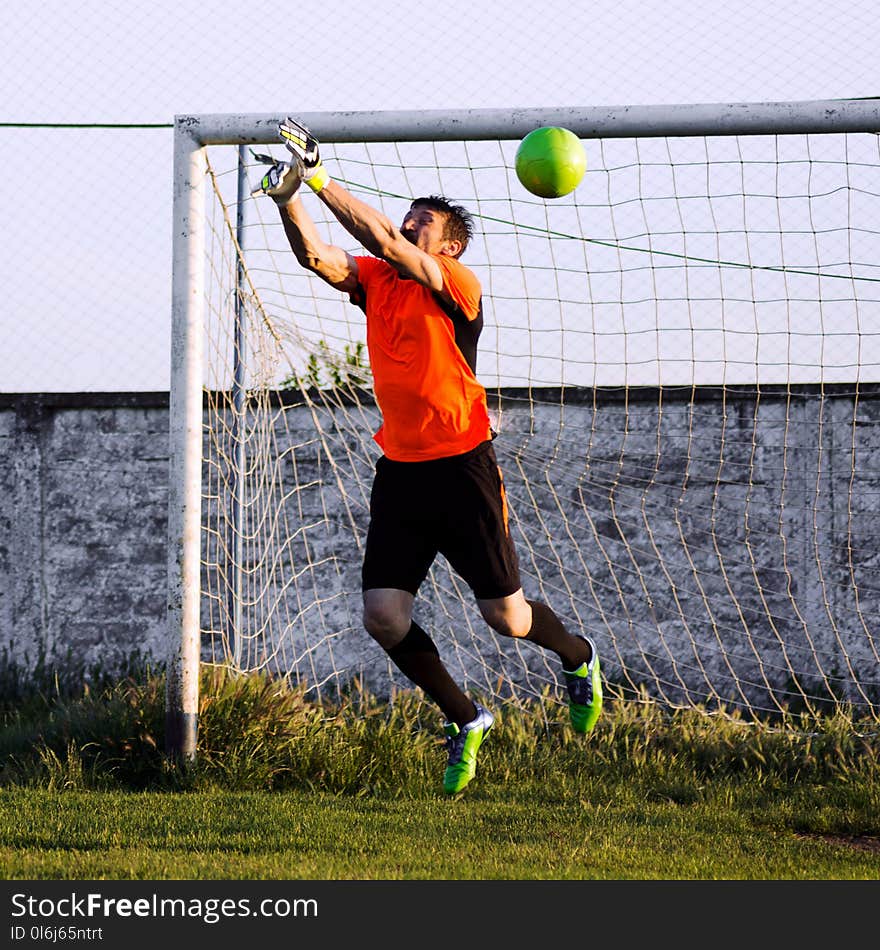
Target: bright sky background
86,246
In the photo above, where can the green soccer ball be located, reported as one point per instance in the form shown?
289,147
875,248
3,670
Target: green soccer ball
550,162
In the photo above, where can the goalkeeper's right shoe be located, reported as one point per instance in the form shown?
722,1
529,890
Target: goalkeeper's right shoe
585,692
462,744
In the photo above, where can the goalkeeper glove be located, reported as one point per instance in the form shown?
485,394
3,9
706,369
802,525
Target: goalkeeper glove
282,180
304,146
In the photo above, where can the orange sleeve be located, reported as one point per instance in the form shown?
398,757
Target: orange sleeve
366,266
461,284
366,269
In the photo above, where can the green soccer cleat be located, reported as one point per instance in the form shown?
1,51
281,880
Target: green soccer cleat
463,744
585,692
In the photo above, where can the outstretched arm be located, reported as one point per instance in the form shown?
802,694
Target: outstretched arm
334,264
281,183
368,226
380,236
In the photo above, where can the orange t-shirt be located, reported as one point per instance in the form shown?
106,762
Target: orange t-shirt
426,388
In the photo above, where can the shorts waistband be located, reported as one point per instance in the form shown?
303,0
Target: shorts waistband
481,449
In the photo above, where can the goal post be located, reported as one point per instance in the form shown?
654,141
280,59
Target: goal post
185,445
684,357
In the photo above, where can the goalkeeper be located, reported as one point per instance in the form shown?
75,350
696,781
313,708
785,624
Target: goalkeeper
437,486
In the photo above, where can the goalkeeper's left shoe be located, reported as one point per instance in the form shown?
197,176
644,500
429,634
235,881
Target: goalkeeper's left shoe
585,692
463,743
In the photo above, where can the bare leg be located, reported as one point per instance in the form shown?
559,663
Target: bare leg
532,620
388,619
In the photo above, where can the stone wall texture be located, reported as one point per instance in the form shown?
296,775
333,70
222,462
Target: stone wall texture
715,543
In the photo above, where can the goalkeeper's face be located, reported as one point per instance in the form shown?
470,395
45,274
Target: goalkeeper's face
425,228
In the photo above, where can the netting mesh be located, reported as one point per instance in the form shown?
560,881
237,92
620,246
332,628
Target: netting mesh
682,360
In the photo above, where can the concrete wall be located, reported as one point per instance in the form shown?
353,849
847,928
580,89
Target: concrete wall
83,514
713,544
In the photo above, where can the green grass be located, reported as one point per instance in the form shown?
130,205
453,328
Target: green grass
285,788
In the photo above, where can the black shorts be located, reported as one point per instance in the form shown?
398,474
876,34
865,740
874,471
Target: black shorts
453,506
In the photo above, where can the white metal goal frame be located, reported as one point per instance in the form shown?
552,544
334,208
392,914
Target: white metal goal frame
193,133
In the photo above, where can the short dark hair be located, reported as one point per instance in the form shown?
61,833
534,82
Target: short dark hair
458,226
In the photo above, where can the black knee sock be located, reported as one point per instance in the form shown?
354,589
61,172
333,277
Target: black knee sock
547,631
417,658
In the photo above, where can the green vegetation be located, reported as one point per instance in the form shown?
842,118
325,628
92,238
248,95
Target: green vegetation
285,787
328,369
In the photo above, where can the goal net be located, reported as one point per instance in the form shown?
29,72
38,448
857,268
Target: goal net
682,359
